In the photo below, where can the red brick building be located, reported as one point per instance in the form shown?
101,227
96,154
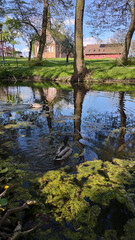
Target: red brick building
99,51
53,48
6,50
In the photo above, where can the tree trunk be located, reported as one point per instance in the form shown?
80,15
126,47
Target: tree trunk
42,40
13,50
79,94
121,139
67,58
30,51
129,35
79,64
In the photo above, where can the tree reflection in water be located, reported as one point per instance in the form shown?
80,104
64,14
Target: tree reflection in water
99,124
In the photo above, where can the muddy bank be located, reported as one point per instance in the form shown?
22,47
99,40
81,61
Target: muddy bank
67,80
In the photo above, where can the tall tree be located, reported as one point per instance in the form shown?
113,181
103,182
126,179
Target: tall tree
25,20
129,34
51,8
37,15
80,69
9,33
113,15
42,40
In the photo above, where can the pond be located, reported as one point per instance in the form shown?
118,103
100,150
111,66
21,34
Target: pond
100,124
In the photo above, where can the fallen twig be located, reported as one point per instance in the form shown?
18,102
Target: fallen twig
18,234
15,79
14,210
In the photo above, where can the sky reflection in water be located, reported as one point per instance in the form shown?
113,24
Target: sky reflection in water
99,124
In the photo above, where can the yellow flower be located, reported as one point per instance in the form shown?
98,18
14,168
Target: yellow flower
6,187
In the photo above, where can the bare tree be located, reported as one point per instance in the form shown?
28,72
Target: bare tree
42,40
37,17
111,15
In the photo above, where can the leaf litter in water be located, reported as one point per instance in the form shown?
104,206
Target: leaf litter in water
13,107
62,118
18,125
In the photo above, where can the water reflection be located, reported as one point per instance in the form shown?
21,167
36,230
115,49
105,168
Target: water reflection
100,125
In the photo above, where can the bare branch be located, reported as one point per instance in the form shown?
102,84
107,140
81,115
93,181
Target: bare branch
30,24
19,234
14,210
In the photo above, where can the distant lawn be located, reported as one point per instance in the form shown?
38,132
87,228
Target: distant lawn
57,68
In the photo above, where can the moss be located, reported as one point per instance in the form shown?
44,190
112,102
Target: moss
129,230
88,168
78,198
109,235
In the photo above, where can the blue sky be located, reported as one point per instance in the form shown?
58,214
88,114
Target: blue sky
88,39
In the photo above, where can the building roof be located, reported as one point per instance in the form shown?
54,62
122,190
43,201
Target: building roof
53,34
57,36
104,49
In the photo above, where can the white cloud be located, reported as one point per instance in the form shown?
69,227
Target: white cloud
70,22
25,51
90,40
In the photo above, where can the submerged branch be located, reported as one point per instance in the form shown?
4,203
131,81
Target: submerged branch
15,210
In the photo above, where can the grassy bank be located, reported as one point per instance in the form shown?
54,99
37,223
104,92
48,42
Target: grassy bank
57,68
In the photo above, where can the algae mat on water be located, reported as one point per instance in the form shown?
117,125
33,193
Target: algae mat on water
79,201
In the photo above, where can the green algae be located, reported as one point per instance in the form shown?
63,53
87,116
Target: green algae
18,125
75,201
79,198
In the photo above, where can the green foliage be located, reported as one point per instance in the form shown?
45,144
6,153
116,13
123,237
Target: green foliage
9,33
33,49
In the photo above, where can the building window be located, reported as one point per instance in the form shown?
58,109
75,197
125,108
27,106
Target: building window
99,50
49,49
52,49
94,50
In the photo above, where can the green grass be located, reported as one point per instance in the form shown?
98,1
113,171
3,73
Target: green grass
113,87
57,68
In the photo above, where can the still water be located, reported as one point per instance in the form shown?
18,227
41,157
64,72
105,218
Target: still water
100,125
